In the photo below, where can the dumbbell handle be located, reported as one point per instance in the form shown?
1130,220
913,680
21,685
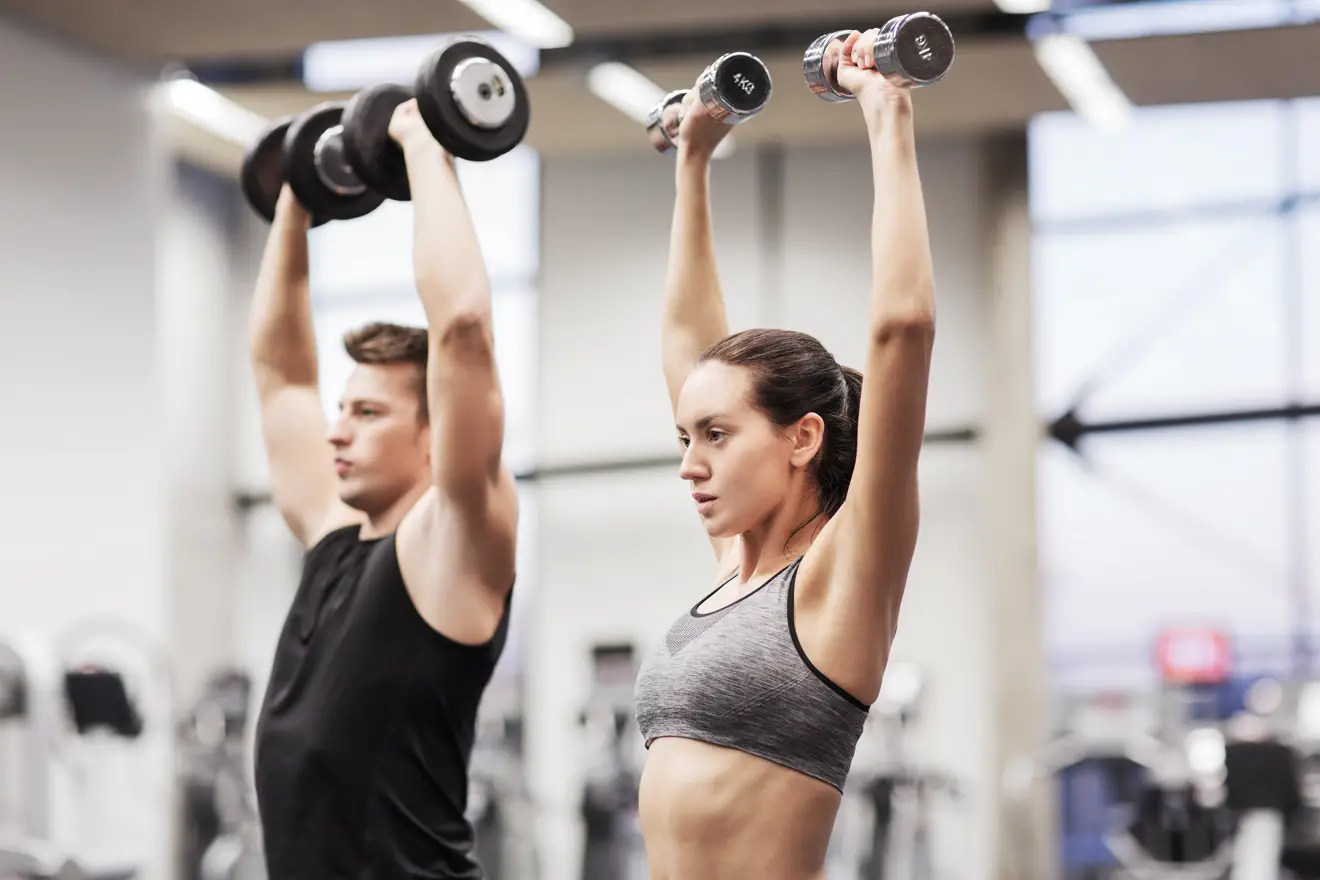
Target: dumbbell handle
733,89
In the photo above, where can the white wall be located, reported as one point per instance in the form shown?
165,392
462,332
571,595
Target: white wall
83,518
622,555
197,256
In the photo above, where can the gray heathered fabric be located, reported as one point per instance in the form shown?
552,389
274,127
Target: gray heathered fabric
737,678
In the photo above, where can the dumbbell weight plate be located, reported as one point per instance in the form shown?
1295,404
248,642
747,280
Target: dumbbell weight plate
735,88
473,101
317,171
371,152
916,49
262,174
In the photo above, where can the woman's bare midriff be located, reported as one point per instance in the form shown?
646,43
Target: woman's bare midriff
711,813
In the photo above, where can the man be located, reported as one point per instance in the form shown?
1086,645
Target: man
409,516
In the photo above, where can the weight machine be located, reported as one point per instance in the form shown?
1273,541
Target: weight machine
220,833
1132,805
613,848
894,840
48,700
500,805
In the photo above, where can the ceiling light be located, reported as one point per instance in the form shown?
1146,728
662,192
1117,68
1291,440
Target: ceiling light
349,65
206,108
1126,21
625,89
1079,76
1023,7
527,20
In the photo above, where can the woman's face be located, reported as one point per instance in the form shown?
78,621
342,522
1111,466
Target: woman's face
741,466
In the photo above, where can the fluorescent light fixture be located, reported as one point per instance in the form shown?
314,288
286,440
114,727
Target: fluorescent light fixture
1077,73
527,20
349,65
1023,7
1126,21
206,108
621,86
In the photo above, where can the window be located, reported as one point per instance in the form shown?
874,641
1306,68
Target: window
1161,318
1170,264
1169,158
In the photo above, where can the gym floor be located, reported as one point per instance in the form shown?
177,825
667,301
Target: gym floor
1115,584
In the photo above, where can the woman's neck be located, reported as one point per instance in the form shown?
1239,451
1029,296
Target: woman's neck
783,537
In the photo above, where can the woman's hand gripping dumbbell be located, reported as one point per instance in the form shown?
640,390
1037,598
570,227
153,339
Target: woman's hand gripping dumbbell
909,50
730,91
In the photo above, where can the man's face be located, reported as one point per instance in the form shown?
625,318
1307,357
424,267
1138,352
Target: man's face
382,447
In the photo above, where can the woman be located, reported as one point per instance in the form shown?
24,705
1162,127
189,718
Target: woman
807,484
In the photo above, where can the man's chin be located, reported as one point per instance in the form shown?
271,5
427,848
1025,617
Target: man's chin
352,497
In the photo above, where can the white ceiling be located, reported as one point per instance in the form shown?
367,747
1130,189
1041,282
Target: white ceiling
197,29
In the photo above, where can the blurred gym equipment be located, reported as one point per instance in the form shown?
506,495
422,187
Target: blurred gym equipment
339,159
221,837
86,699
900,796
915,50
23,854
15,755
117,690
613,848
36,862
1132,805
499,804
734,88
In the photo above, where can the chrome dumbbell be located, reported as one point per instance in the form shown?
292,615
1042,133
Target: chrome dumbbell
732,90
914,50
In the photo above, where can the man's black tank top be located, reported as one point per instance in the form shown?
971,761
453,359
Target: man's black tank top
366,730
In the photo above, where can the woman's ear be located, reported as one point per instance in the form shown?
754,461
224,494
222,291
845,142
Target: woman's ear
808,436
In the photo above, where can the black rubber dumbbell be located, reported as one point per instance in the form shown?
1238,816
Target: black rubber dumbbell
471,98
340,160
307,152
915,50
373,154
732,90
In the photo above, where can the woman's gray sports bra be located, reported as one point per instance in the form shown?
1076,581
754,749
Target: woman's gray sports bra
738,677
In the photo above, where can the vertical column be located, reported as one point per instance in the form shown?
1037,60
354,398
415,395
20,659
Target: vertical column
193,319
1024,837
